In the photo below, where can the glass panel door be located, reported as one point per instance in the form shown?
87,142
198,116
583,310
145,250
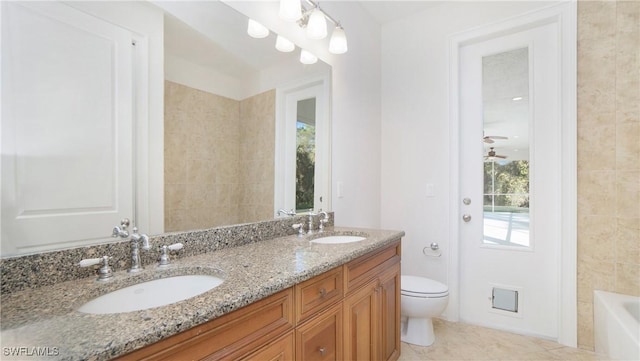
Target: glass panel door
505,100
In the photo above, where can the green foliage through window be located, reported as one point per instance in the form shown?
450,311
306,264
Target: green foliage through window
305,165
506,186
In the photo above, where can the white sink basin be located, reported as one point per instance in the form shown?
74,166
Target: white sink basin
151,294
338,239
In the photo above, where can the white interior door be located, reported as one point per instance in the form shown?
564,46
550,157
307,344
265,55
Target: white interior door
509,264
67,123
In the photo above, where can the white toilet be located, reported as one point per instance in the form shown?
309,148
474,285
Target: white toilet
421,300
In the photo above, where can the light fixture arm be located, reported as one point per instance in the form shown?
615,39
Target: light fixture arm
314,5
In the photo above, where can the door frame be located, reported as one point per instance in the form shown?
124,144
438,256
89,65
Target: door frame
565,15
287,96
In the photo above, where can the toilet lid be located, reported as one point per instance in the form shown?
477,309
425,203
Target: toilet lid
422,286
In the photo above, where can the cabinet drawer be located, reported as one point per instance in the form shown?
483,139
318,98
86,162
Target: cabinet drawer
321,337
229,336
282,349
363,269
318,293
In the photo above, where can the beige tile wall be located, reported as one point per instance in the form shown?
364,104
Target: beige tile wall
608,154
208,147
257,156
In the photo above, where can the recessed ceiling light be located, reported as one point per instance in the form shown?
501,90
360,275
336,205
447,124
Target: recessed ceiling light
515,99
516,136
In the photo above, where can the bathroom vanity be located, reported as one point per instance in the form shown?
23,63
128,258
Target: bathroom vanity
282,298
350,312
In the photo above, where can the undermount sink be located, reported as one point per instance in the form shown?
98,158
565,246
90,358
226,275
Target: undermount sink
338,239
150,294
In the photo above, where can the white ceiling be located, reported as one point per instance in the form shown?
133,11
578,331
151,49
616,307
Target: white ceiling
387,11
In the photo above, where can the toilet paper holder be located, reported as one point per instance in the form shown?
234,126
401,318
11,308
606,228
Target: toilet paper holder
433,250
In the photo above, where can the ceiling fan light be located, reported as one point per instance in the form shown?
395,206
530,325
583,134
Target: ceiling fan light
284,45
290,10
317,25
338,42
257,30
307,58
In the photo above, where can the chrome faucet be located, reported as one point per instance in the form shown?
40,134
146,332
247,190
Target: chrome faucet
286,213
311,215
136,264
323,220
122,232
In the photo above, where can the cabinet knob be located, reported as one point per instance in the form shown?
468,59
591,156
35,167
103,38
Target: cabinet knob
323,292
322,351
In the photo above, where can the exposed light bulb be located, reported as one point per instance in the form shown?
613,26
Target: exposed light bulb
317,25
257,30
290,10
284,45
307,58
338,42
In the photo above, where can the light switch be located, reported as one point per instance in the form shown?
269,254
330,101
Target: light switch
430,190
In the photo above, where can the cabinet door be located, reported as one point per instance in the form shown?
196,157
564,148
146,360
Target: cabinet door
321,337
390,314
362,323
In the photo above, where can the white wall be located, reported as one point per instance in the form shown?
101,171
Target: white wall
415,131
356,98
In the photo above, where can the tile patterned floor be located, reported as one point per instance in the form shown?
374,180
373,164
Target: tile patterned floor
457,341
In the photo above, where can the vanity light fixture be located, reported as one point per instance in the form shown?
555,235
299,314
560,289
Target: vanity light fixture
257,30
307,58
317,25
290,10
313,19
284,45
338,42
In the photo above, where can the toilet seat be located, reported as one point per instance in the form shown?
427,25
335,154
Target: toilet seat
422,287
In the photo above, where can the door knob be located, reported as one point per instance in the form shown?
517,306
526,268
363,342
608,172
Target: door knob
466,217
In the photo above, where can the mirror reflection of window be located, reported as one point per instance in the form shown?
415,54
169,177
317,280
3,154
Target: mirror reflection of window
505,93
305,154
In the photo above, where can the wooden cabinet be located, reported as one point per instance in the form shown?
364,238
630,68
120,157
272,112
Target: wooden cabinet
351,312
317,293
228,337
321,337
283,349
372,319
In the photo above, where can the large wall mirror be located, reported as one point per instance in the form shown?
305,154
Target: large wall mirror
221,95
227,174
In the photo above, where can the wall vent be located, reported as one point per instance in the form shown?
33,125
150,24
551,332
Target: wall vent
504,300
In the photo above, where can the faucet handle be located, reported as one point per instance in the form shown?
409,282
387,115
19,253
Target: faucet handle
299,228
105,272
88,262
140,237
323,221
164,255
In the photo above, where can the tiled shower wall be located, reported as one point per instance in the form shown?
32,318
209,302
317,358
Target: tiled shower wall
608,154
214,146
257,157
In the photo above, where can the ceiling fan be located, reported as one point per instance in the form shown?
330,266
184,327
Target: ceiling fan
491,154
490,139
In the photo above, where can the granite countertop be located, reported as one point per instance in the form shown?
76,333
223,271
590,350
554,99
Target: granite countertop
45,320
